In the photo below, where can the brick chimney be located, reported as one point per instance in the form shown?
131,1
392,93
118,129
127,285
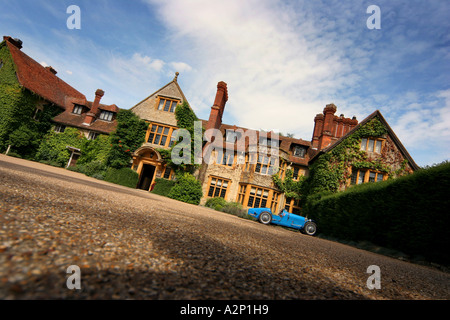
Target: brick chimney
215,117
318,128
16,42
52,70
92,114
328,128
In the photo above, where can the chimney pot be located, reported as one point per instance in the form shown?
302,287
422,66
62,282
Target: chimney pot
52,70
16,42
99,93
92,114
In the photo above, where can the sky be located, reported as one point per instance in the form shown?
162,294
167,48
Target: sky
283,61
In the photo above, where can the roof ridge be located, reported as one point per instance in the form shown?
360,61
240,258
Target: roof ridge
30,72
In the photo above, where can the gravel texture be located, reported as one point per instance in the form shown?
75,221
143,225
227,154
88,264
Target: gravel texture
130,244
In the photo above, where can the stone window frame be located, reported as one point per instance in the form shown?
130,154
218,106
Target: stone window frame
170,108
223,159
365,145
59,128
232,135
153,134
356,177
292,205
275,201
92,135
264,168
167,173
219,188
297,172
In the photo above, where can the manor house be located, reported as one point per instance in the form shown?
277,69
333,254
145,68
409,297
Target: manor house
236,175
247,177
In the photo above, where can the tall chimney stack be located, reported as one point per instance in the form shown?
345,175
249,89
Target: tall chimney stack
328,128
92,114
215,117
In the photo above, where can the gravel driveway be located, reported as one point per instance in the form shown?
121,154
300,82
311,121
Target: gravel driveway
132,244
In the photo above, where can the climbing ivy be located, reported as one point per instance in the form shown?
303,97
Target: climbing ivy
185,120
20,127
330,169
53,148
290,187
128,136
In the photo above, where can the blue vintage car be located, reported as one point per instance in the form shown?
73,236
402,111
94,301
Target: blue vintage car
285,219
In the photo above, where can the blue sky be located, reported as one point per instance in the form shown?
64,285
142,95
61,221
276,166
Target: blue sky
283,61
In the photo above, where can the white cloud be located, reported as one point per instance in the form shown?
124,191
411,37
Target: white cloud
271,56
181,66
284,61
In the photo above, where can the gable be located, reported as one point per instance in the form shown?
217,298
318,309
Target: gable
40,80
395,144
7,71
147,109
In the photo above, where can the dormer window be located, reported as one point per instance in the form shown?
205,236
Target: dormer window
77,109
60,128
233,136
106,115
299,151
92,135
167,105
263,141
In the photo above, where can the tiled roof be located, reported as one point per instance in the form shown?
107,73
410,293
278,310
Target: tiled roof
286,143
391,132
75,120
41,80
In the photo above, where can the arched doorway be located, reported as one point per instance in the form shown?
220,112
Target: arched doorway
146,177
148,164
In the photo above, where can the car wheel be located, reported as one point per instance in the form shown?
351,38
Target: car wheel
265,217
310,228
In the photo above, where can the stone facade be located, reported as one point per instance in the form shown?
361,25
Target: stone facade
245,177
158,110
245,173
148,108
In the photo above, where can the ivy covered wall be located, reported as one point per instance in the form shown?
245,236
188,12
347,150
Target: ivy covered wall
20,127
332,170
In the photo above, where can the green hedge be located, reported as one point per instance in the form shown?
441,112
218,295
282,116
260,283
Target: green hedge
409,214
124,176
234,208
187,189
216,203
163,186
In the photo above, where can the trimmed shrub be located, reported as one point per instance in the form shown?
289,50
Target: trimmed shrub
216,203
124,176
187,189
94,167
234,208
163,186
409,214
